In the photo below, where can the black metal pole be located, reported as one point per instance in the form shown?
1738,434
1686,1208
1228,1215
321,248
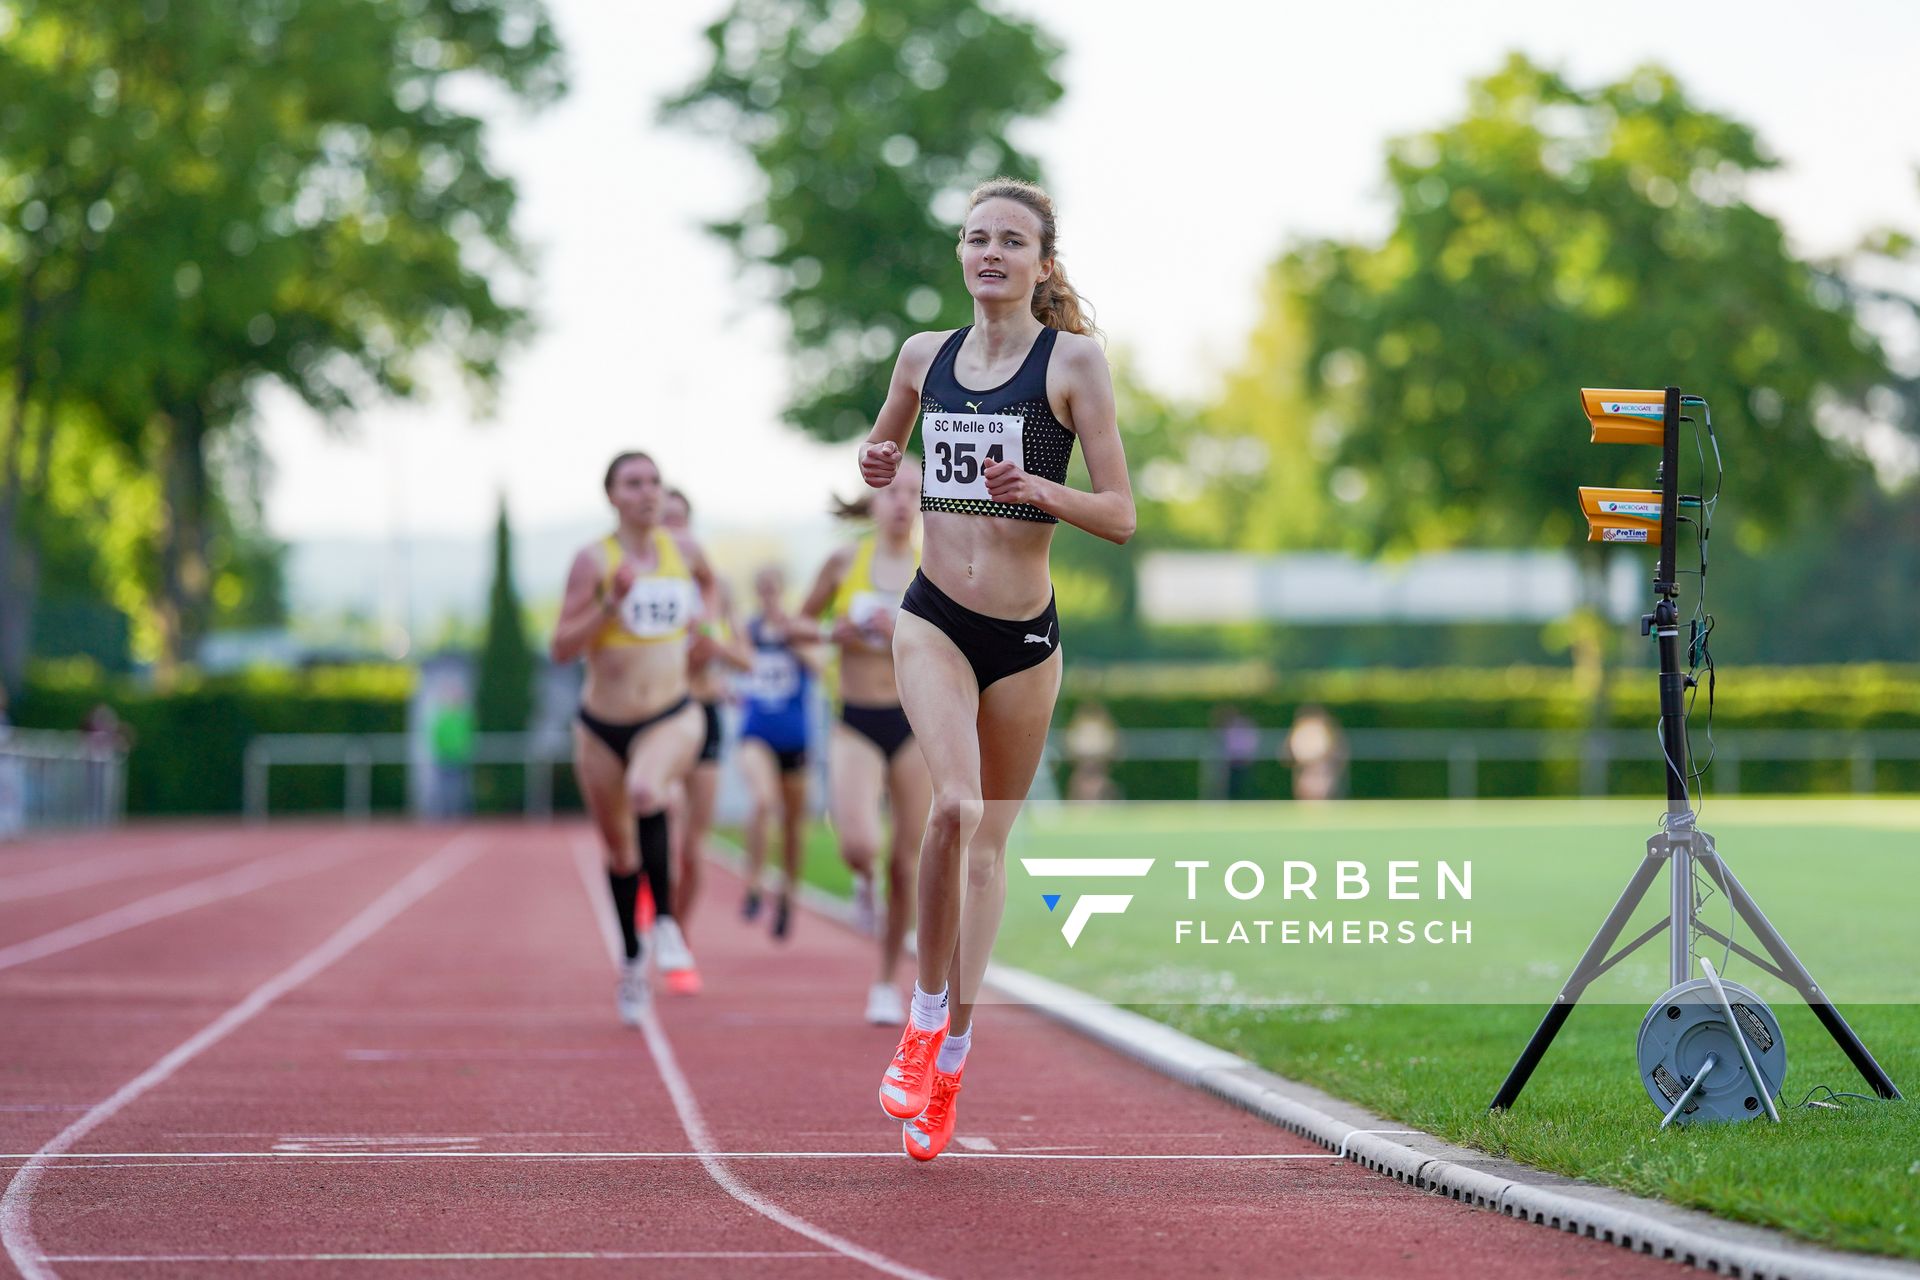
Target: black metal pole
1665,622
1664,577
1666,617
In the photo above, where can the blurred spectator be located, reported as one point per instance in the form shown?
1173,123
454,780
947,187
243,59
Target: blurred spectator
13,783
1091,739
1239,747
106,734
1317,750
450,732
107,740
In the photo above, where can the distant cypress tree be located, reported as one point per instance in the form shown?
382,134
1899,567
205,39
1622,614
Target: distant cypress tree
504,699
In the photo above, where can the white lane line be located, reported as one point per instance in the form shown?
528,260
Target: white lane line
389,1157
977,1144
422,1257
197,893
78,875
478,1055
695,1124
16,1226
359,1144
1077,1148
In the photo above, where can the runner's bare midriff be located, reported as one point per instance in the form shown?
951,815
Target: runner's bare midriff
709,683
629,684
866,677
993,566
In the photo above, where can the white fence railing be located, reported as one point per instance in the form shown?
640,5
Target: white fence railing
53,780
358,753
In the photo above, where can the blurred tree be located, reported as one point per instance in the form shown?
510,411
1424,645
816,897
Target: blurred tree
1556,237
869,123
1247,472
1838,590
503,698
197,198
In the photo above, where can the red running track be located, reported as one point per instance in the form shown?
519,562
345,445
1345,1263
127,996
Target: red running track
392,1051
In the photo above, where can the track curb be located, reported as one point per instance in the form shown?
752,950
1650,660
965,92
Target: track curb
1420,1160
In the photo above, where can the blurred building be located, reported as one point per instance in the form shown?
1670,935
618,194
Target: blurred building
1183,588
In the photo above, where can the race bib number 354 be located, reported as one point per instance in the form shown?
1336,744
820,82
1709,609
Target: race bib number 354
960,445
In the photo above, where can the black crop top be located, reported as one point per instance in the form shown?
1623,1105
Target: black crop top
1047,443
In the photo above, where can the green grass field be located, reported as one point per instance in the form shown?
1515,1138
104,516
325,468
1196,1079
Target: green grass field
1424,1033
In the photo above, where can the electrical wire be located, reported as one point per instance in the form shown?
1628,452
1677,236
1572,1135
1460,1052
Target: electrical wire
1808,1103
1700,626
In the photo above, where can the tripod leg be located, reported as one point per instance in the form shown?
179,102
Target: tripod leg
1796,973
1583,973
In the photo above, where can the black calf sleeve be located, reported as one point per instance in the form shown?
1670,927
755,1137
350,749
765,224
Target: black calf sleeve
656,861
624,887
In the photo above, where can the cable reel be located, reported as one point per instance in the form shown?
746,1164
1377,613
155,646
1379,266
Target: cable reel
1710,1049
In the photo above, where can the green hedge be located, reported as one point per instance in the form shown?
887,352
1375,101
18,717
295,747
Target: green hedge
1866,696
189,743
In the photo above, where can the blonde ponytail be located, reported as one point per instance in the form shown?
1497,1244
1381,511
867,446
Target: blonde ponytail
1056,305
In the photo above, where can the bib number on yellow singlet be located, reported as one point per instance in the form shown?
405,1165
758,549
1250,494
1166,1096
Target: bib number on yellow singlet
960,445
867,608
656,607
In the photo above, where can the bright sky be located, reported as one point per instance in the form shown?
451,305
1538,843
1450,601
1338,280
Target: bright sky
1194,143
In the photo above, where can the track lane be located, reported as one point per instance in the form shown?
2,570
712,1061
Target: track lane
483,1017
87,918
79,1023
156,857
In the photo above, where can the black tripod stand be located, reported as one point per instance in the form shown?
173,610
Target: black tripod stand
1679,844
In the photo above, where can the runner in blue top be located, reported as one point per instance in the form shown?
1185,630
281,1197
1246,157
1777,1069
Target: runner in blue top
773,739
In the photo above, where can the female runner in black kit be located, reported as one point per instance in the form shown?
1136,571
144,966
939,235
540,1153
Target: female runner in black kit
977,644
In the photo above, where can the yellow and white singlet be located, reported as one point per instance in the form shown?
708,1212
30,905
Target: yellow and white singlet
859,600
659,607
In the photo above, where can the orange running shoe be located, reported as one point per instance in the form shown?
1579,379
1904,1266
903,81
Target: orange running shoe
908,1084
643,907
684,982
926,1137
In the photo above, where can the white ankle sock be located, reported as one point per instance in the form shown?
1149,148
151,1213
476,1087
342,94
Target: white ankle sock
929,1011
953,1051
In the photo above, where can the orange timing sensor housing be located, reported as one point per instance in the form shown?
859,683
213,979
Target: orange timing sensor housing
1625,417
1621,515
